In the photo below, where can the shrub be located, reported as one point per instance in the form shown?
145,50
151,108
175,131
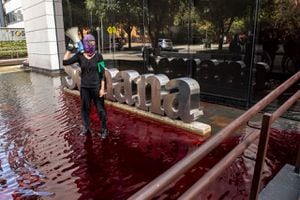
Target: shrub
13,49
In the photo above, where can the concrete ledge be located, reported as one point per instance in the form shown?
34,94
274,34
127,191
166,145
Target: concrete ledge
194,127
47,72
285,185
9,62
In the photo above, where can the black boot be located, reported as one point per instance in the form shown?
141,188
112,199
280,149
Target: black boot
85,131
104,133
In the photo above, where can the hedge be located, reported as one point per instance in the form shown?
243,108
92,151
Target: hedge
13,54
13,49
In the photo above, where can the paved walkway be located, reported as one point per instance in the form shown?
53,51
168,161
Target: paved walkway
285,185
10,69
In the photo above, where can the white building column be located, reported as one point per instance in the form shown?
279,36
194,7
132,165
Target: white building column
44,29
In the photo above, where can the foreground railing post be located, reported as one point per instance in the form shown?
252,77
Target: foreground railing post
260,157
171,175
297,168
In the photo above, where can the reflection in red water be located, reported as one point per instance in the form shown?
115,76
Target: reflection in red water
43,155
235,182
137,151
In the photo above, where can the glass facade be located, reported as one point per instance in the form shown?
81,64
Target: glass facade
14,17
237,50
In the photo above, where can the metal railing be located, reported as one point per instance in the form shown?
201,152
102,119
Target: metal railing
161,182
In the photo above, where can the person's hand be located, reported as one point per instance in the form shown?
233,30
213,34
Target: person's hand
75,47
70,46
101,93
79,47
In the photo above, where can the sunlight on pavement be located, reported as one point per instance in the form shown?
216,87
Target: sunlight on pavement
10,69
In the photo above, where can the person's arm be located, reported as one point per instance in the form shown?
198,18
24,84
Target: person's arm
102,80
102,92
68,60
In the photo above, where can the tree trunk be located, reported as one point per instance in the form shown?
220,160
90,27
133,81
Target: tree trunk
128,31
221,36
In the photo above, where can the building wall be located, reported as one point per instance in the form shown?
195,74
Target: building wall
12,5
2,24
44,31
14,8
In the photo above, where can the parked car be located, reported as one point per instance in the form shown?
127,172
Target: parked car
165,44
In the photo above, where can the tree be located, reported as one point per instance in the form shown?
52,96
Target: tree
129,15
73,15
222,13
103,8
160,17
117,12
282,14
186,15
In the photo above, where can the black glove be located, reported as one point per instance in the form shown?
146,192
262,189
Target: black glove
70,46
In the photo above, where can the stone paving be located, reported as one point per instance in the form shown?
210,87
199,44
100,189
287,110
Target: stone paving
285,185
10,69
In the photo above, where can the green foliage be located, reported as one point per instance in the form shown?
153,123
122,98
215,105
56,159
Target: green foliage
20,44
102,8
160,18
214,17
133,10
13,49
223,13
13,54
281,14
238,26
124,14
75,14
186,15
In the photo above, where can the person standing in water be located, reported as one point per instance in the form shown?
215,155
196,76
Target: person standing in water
92,82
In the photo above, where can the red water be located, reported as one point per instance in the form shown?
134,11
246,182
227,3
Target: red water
42,155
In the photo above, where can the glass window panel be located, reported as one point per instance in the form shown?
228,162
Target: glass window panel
216,42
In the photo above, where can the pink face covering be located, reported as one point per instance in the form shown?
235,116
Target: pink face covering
89,44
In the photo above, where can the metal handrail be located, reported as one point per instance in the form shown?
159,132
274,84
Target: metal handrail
297,168
214,172
162,181
268,119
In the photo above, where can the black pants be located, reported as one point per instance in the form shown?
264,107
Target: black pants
87,95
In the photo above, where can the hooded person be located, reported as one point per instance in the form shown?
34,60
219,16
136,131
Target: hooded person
92,83
89,45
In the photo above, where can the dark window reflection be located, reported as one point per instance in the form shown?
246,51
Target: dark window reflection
232,48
